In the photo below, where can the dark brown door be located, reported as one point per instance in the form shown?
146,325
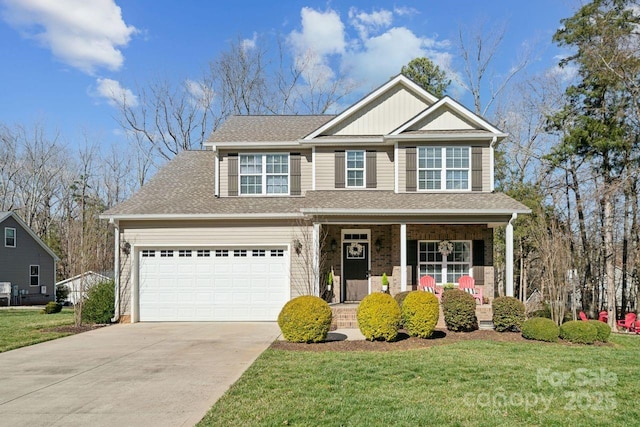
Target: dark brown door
355,261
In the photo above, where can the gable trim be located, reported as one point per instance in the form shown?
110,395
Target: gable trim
29,231
399,79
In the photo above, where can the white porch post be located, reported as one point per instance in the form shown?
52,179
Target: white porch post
316,259
403,257
509,256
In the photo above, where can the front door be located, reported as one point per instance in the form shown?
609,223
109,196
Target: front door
355,261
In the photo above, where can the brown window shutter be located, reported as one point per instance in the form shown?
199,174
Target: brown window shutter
294,174
478,261
340,179
372,172
476,168
411,169
233,174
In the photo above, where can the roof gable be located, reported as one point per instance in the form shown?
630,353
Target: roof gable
378,113
25,227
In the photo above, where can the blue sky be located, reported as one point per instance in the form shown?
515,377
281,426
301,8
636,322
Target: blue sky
59,58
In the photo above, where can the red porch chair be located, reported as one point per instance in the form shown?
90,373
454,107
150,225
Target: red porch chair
603,316
583,317
628,323
428,284
468,284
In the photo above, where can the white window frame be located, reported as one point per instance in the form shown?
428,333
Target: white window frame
6,230
363,169
34,275
443,168
263,174
445,263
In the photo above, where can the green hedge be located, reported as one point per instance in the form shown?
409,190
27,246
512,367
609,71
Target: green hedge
579,332
379,317
540,329
508,314
98,307
52,307
603,330
420,312
305,319
459,310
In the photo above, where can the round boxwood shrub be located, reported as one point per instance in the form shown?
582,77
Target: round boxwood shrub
540,329
52,307
305,319
98,307
459,310
602,330
508,314
400,296
578,331
420,312
379,317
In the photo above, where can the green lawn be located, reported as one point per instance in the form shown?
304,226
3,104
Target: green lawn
470,383
20,327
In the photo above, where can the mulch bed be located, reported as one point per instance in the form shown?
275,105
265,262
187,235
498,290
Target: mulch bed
72,329
404,341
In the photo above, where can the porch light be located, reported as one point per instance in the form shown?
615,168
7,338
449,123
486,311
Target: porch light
333,245
378,244
297,246
126,248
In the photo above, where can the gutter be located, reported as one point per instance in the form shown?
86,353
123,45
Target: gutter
160,217
116,270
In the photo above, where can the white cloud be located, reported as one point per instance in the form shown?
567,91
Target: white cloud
248,44
366,23
322,32
84,34
115,93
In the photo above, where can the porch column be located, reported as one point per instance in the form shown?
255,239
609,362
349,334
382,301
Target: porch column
316,259
403,257
509,256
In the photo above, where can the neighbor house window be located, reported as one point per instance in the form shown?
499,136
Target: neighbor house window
10,237
34,275
264,174
443,168
444,269
355,168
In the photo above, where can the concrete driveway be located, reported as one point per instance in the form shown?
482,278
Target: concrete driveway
143,374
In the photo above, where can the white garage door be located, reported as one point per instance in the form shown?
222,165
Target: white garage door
213,284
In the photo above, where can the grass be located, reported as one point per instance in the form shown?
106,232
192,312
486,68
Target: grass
21,327
471,383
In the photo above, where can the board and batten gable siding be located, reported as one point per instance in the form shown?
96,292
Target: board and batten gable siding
211,234
479,167
326,166
384,115
15,263
306,168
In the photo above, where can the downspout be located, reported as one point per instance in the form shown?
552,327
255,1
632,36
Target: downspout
116,270
492,162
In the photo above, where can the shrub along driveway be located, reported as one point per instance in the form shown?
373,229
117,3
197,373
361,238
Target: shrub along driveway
145,374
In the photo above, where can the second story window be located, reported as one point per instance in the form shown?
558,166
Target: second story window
355,168
10,237
443,168
264,174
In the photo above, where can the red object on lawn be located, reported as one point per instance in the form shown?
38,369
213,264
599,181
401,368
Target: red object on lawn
603,316
468,284
636,327
628,323
428,283
583,317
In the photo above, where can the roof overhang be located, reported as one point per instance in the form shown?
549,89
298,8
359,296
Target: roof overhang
467,136
195,217
255,145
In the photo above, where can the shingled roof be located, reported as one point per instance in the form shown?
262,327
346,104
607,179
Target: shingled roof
267,128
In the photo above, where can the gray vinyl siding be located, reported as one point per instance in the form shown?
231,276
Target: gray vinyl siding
15,264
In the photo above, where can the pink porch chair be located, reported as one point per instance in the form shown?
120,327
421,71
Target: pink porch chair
428,284
468,284
583,317
628,323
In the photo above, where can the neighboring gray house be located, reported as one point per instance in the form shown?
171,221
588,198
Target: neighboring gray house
401,182
27,264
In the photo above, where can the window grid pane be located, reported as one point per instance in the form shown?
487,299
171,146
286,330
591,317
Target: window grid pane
444,269
355,168
273,178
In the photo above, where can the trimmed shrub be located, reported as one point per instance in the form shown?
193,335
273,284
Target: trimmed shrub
420,312
379,317
540,329
578,332
602,330
459,310
305,319
52,307
508,314
399,297
98,306
62,292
